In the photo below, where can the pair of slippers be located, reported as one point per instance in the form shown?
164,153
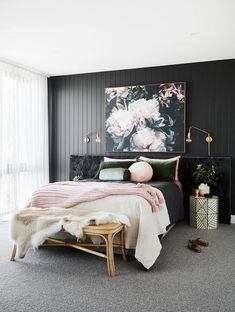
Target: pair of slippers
195,244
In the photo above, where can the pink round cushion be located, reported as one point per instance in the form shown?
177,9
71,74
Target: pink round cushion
141,172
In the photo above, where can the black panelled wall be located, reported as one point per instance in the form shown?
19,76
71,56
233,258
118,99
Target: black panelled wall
76,106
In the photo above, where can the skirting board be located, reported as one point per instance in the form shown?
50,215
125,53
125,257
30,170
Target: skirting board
232,219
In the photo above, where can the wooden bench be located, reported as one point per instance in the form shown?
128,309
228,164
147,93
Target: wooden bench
106,231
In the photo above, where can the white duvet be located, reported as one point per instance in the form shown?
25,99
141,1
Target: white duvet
145,227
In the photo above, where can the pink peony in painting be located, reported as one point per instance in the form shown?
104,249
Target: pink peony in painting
145,118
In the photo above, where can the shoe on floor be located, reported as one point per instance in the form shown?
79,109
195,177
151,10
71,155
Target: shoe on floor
194,247
199,241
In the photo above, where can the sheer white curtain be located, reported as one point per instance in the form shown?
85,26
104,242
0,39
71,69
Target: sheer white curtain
23,135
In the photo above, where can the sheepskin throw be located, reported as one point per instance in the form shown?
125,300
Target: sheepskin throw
32,226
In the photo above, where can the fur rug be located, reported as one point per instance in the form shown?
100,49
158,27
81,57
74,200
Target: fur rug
32,226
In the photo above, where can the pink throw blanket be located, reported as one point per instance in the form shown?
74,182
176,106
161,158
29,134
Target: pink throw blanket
69,194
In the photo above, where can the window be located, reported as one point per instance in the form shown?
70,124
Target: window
23,136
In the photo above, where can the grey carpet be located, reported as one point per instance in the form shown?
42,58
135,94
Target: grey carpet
58,279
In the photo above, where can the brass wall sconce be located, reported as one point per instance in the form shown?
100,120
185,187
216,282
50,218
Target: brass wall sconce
87,138
208,138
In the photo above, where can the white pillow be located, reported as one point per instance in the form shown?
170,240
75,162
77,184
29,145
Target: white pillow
115,159
141,172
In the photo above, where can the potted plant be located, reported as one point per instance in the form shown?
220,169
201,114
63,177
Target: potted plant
77,178
207,176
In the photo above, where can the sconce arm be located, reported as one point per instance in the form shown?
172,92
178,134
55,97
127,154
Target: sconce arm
196,128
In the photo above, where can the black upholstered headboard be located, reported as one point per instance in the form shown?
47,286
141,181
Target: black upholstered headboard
87,167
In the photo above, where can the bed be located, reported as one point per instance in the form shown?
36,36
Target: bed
146,225
87,166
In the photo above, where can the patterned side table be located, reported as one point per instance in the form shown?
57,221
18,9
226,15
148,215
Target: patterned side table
204,212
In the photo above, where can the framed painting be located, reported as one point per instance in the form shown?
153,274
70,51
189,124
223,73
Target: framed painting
145,118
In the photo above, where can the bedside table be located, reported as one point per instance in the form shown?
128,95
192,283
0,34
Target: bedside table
204,212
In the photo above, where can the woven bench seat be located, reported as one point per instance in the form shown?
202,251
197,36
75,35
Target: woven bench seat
106,231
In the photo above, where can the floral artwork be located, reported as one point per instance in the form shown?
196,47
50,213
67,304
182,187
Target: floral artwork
147,118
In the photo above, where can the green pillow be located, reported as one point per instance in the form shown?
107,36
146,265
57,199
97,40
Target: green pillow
113,164
115,174
163,170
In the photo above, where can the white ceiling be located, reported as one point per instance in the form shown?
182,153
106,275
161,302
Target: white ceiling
59,37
